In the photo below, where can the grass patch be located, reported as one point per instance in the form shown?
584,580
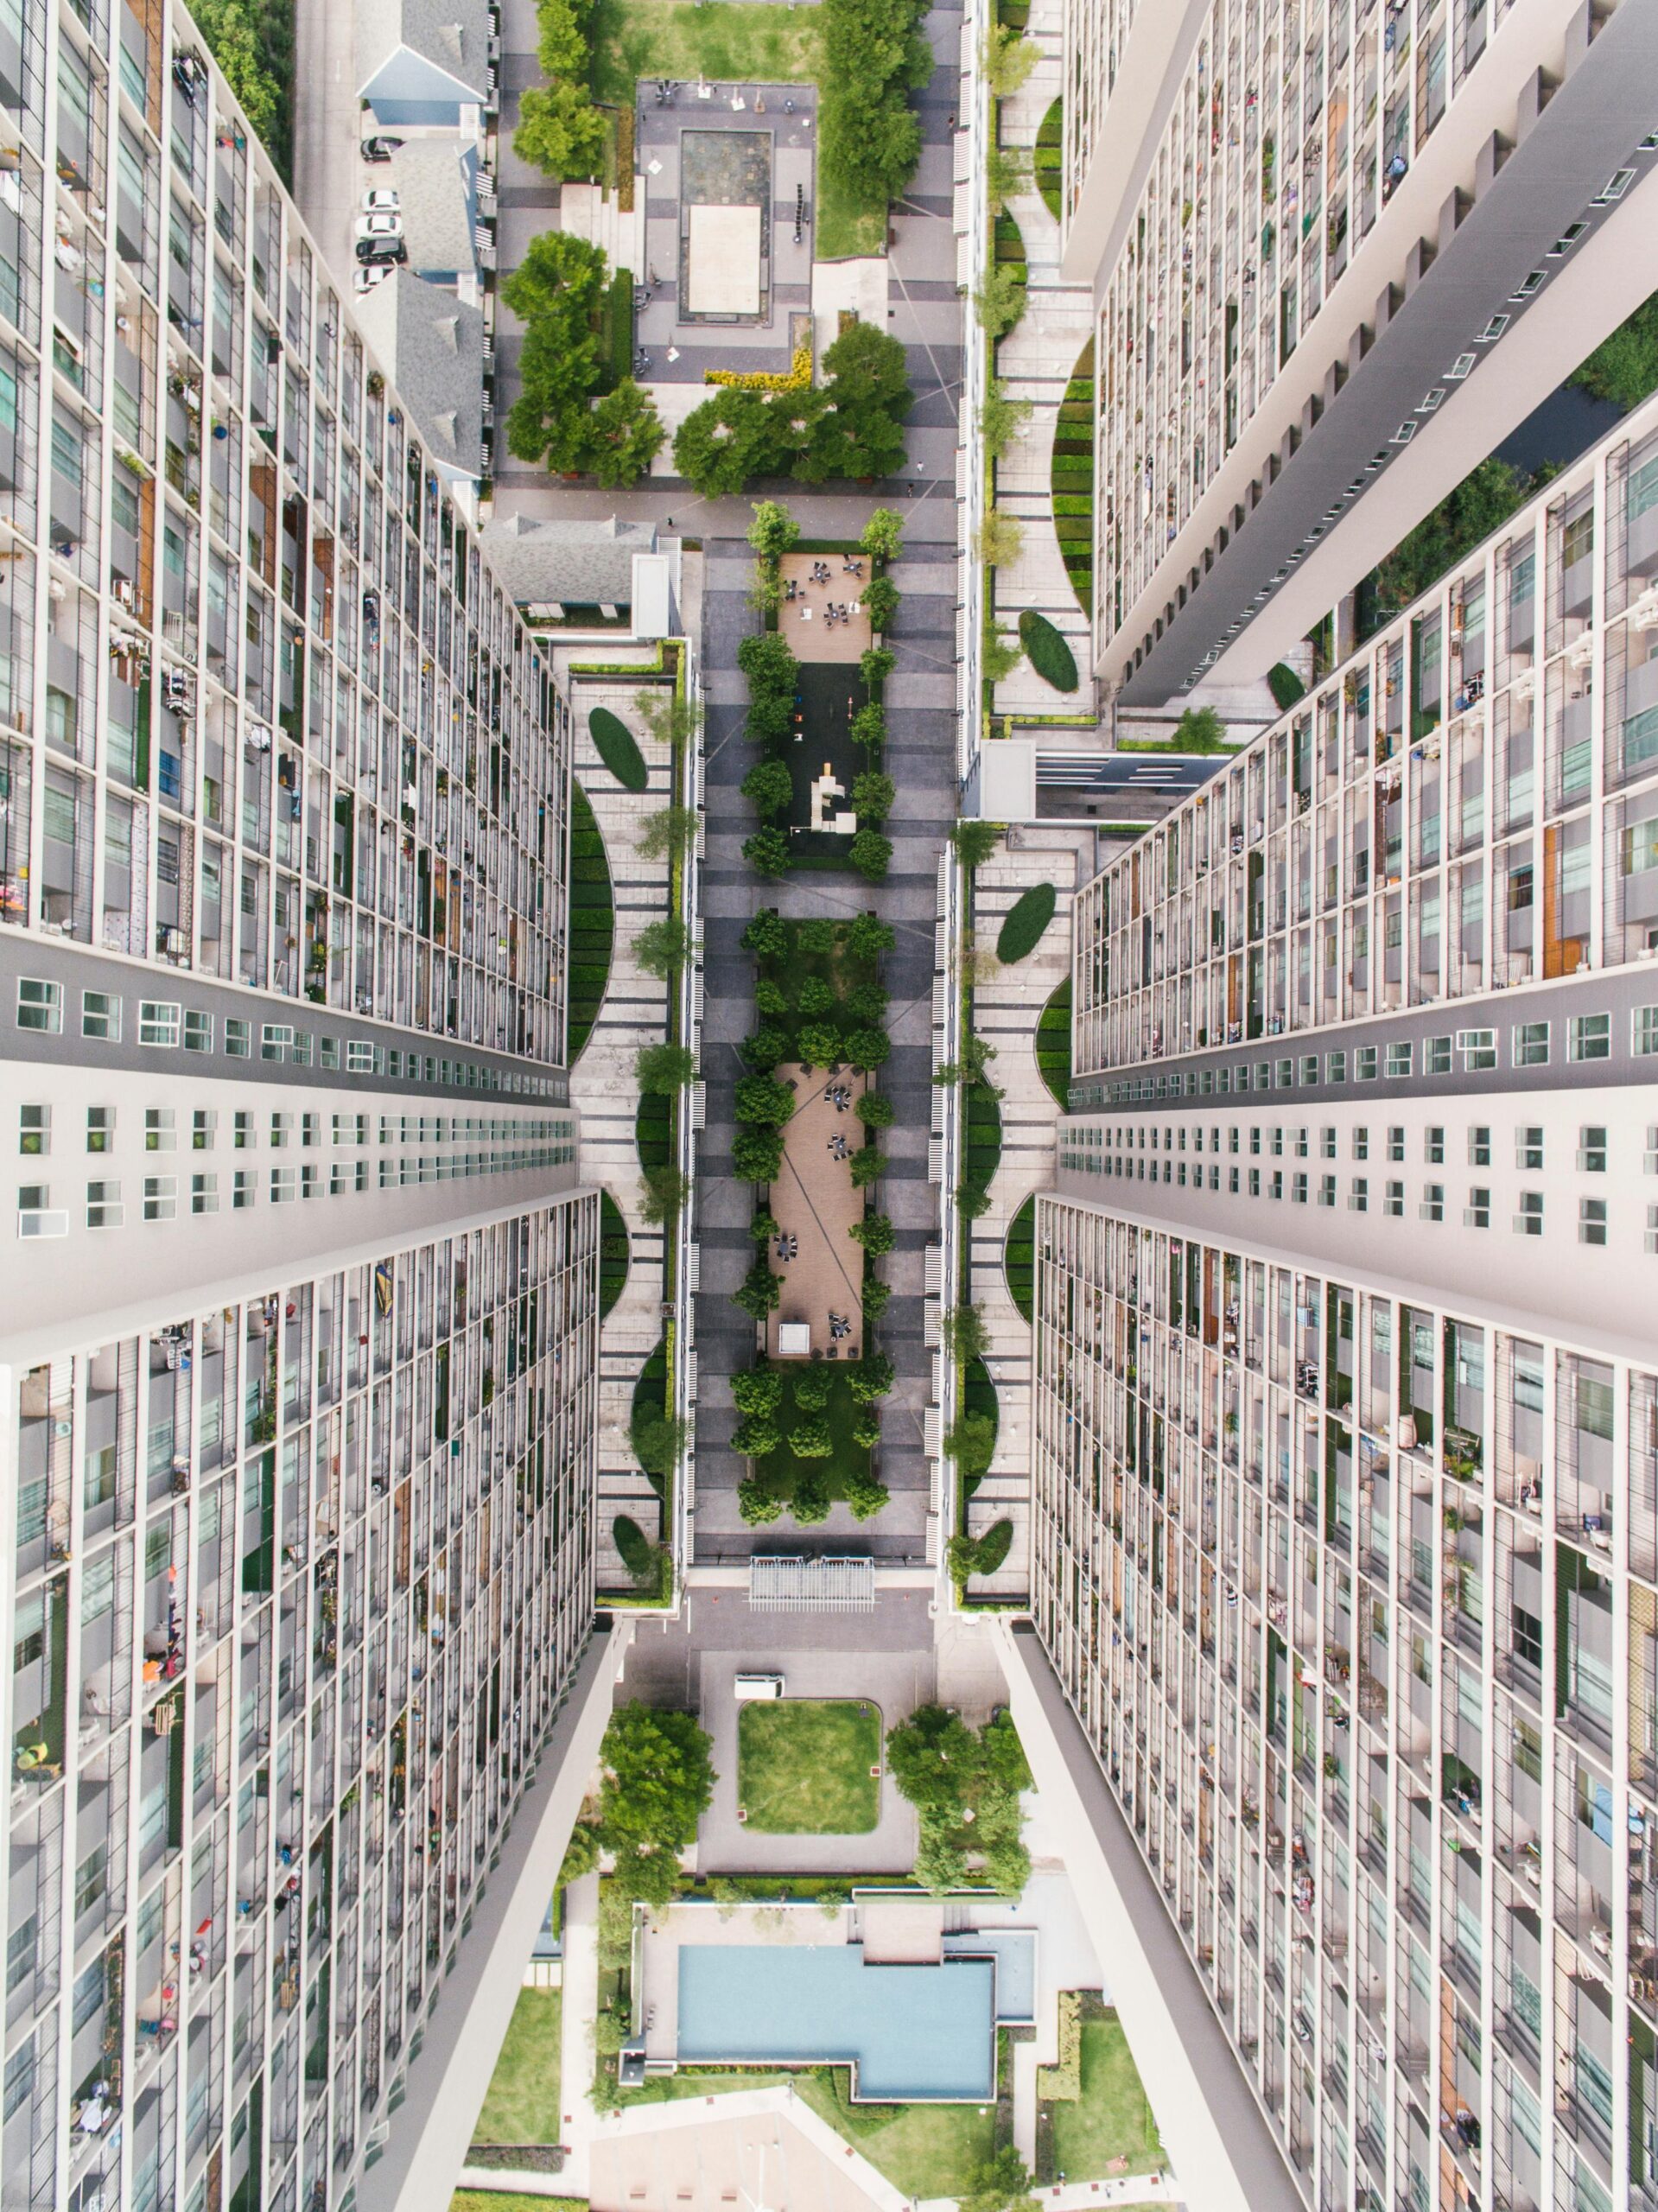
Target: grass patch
1053,1045
1025,921
803,1766
616,325
592,923
650,1405
984,1139
1111,2120
1049,656
613,1253
1018,1257
925,2149
491,2200
1071,478
652,1127
617,747
523,2103
1048,160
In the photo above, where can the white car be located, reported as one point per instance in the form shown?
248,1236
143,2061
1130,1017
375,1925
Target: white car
369,274
377,227
381,202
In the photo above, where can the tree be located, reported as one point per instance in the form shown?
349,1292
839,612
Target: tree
661,947
865,1428
1482,503
876,1110
883,535
767,852
974,841
1009,60
767,934
1002,2184
874,1296
1006,170
872,1376
867,938
810,1503
815,996
866,1048
756,1504
871,854
626,434
971,1443
1000,539
670,719
869,726
664,1193
762,1228
664,1069
810,1389
657,1441
768,786
866,1003
812,1440
865,1497
999,300
873,796
556,291
758,1098
818,936
1000,655
723,442
873,51
757,1391
773,529
658,1780
757,1155
880,602
560,131
820,1046
770,998
759,1291
581,1855
964,1332
1002,419
1005,1763
1200,729
755,1437
764,1049
875,664
867,1167
934,1758
876,1233
972,1200
667,834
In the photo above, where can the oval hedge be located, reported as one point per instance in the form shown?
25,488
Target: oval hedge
592,923
1049,656
613,742
993,1547
1028,916
637,1555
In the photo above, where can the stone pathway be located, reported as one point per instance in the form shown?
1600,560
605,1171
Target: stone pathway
1008,1005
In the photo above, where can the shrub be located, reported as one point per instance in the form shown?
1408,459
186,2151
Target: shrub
664,1069
666,1190
754,1437
817,937
757,1155
873,1297
757,1391
760,1099
766,935
1200,729
965,1334
1025,920
759,1290
615,745
1000,540
1051,656
661,947
815,998
1062,2083
870,1377
767,786
867,1048
810,1389
873,796
867,938
1285,685
756,1504
762,1228
767,852
639,1554
871,854
866,1429
865,1497
764,1049
999,656
1002,419
974,841
995,1546
812,1440
876,1110
796,378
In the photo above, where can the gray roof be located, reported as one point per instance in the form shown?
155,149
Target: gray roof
436,181
452,34
431,347
568,563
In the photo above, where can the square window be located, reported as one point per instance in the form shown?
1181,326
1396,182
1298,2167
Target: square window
359,1058
1589,1037
1644,1031
204,1194
1479,1144
1591,1221
35,1214
158,1021
1395,1203
1528,1222
1436,1056
1531,1044
100,1016
1478,1048
1592,1149
161,1197
1400,1059
158,1129
1477,1214
198,1032
33,1130
238,1038
40,1005
103,1208
1433,1202
275,1037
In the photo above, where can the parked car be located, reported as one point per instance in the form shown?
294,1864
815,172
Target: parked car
368,274
382,202
386,225
386,249
379,149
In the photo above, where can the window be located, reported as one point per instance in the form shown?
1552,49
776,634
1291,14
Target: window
280,1125
33,1130
1326,1144
1592,1149
1531,1044
158,1129
1528,1148
244,1136
1360,1143
1310,1068
1364,1060
1528,1222
1297,1190
274,1040
1478,1048
1400,1058
1395,1201
1591,1221
1433,1202
282,1185
1589,1037
237,1037
1278,1183
359,1058
1232,1186
1433,1145
103,1208
40,1005
1254,1182
1327,1190
1651,1229
1359,1197
311,1130
1396,1141
161,1197
35,1214
100,1016
1479,1144
244,1188
158,1022
203,1124
1278,1144
1644,1031
1300,1144
198,1032
1335,1067
1436,1056
204,1194
1477,1214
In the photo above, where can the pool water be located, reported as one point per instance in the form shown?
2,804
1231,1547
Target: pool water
911,2033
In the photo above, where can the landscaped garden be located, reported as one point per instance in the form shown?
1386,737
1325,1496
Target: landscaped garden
523,2103
1053,1045
1018,1257
617,748
1105,2128
593,922
809,1766
1071,478
613,1253
1049,161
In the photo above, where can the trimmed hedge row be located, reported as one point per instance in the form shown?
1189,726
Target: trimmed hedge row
615,744
1018,1258
1049,654
1053,1045
592,923
613,1253
1048,160
1025,920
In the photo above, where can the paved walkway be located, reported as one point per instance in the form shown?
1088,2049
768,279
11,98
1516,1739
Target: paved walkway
1007,1003
578,2010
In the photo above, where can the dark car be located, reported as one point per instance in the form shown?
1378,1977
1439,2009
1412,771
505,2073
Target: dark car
379,149
381,249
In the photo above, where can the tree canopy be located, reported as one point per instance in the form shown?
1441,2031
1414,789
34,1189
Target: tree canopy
658,1780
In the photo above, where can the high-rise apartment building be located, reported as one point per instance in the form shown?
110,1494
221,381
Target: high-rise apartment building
1316,230
298,1329
1345,1534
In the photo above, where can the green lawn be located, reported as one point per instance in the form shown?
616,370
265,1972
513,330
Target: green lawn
1111,2120
523,2104
925,2149
803,1766
728,40
504,2200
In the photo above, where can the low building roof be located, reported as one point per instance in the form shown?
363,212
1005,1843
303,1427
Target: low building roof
431,346
452,36
436,183
579,562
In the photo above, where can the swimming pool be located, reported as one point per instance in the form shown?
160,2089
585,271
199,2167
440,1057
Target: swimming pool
911,2032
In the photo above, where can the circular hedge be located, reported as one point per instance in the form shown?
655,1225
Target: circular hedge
1029,915
613,742
1049,656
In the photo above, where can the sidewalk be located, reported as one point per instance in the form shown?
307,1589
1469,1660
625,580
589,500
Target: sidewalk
575,2052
